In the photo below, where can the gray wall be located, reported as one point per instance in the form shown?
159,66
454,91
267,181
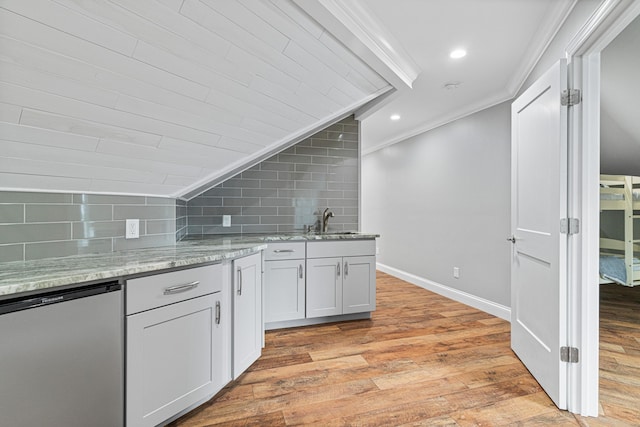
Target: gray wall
44,225
289,190
441,200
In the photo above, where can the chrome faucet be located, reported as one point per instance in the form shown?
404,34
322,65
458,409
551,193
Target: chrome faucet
325,219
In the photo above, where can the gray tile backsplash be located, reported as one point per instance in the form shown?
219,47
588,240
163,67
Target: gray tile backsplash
181,219
288,191
284,193
37,225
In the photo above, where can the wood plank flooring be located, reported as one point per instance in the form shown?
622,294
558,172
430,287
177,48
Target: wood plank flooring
619,357
421,360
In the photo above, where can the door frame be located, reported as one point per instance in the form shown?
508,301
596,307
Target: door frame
583,57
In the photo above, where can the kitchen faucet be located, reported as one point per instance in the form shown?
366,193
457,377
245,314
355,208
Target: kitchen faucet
325,219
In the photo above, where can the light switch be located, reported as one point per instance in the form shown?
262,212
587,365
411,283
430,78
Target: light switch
226,220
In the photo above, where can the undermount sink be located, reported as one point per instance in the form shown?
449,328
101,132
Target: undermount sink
342,232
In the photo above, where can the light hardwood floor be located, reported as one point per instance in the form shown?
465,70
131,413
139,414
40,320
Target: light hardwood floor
421,360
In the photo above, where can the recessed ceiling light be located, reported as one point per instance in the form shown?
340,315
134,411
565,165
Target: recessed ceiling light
395,117
458,53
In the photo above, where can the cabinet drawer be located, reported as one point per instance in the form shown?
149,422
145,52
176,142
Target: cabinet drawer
285,250
149,292
326,249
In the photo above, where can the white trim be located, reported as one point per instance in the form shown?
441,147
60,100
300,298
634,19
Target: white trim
534,53
426,127
210,181
353,24
474,301
77,191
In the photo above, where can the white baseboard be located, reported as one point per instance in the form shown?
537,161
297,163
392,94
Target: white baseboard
487,306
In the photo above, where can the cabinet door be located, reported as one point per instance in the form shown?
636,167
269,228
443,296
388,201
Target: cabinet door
247,312
324,287
169,360
359,284
284,291
222,340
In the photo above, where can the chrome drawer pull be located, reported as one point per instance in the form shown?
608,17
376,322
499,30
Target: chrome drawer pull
217,312
281,251
239,281
181,288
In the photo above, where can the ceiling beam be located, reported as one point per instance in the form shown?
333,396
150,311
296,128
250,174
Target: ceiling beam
357,27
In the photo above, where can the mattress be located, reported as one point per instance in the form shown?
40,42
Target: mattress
612,196
613,268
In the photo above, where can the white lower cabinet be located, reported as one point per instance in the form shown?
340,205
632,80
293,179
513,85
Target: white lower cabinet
324,287
358,284
284,282
341,277
340,285
248,326
177,342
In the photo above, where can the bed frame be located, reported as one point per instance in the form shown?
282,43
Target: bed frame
622,188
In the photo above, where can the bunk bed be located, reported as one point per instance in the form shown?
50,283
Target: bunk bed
620,259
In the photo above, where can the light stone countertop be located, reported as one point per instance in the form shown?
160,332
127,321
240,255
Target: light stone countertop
27,276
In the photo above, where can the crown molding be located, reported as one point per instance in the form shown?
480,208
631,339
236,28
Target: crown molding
357,27
544,37
444,120
611,17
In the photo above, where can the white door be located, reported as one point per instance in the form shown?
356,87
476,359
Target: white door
324,287
247,312
284,290
358,284
538,204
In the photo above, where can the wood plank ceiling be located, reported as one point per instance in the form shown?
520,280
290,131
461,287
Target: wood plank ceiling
159,97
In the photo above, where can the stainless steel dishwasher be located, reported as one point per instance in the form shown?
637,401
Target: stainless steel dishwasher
61,358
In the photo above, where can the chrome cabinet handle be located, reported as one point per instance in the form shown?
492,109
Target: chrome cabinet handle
181,288
511,239
239,280
217,312
300,271
346,268
281,251
338,268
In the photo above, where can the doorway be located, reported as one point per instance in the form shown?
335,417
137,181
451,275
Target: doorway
619,349
585,54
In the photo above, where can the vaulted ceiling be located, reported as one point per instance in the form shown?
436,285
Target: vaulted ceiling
160,97
166,97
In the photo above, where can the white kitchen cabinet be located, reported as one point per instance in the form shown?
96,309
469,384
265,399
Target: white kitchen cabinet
284,290
284,282
358,284
324,287
177,342
340,277
248,329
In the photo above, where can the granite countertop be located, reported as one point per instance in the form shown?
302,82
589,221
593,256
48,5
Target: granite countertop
27,276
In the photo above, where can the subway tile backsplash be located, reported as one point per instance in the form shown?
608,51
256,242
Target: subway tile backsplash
288,191
35,225
284,193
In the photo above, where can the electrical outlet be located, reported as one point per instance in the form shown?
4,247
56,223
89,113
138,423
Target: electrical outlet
456,272
226,220
132,229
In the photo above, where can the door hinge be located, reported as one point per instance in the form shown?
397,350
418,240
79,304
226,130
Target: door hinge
569,354
570,97
569,226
